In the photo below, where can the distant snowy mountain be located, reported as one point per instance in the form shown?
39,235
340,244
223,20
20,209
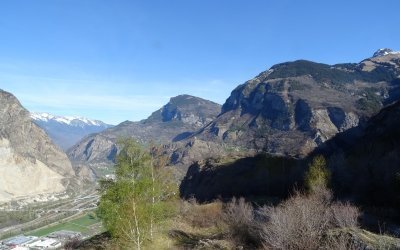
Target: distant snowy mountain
65,131
384,52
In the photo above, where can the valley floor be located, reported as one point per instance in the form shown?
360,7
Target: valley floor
41,218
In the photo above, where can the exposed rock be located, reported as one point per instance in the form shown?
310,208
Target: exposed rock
296,106
97,148
30,163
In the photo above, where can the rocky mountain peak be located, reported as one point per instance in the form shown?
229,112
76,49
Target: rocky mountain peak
177,120
187,109
384,52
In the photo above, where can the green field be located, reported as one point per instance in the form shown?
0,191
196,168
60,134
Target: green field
85,224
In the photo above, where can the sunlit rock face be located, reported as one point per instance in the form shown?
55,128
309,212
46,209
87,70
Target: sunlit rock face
30,163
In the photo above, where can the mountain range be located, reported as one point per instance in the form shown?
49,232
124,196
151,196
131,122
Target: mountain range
290,109
66,131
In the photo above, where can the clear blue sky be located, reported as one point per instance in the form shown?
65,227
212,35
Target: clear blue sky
119,60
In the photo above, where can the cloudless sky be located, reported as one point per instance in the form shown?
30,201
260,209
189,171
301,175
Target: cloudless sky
117,60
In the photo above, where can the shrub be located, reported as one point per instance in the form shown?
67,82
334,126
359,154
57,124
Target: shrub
242,226
304,221
344,215
298,223
72,244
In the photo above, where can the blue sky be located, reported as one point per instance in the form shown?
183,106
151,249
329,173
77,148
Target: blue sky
119,60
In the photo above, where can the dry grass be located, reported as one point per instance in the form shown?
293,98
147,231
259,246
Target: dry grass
199,226
202,215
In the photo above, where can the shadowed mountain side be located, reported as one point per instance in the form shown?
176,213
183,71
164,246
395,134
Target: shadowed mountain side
261,175
365,161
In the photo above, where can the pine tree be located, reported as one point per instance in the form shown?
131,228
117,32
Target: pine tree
318,175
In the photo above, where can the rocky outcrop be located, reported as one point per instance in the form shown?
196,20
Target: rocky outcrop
294,107
30,163
175,121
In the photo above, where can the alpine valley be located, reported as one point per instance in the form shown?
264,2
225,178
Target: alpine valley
260,144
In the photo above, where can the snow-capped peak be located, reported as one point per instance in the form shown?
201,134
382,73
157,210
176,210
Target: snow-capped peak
385,51
69,120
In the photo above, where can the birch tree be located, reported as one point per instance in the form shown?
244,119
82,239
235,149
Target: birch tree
137,199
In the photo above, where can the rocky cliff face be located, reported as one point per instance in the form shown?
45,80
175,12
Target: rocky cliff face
364,162
175,121
294,107
30,163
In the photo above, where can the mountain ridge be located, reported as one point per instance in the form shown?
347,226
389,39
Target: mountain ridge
66,131
70,120
295,106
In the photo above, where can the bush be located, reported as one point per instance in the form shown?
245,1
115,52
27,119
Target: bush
344,215
242,226
73,243
303,221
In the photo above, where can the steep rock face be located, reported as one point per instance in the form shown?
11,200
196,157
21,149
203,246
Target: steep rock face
175,121
66,131
294,107
30,163
96,148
